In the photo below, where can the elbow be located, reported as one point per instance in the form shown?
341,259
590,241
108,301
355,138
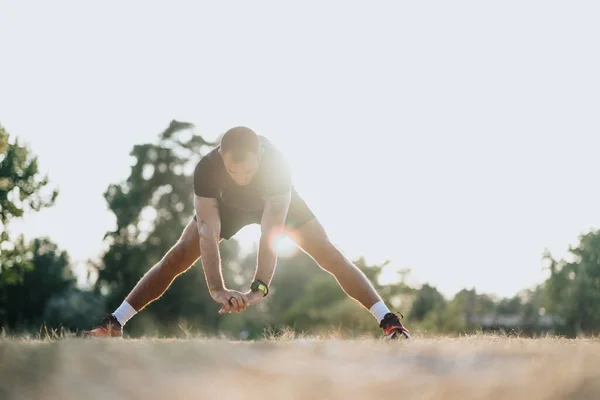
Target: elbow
207,234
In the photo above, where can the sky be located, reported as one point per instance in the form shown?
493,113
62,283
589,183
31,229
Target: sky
458,139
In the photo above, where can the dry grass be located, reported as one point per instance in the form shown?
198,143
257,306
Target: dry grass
474,367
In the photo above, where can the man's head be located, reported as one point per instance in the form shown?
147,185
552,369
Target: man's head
240,150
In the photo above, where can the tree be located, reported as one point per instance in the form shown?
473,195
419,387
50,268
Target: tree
510,306
427,300
22,188
571,295
21,185
15,260
48,275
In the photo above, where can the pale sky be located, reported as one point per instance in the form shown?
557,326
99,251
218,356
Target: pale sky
458,139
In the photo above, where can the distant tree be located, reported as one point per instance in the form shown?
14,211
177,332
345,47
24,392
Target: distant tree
73,309
21,185
22,188
574,286
15,260
47,275
511,306
427,299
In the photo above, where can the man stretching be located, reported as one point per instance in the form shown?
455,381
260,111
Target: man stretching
245,180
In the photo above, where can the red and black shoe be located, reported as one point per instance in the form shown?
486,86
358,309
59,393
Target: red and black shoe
392,327
108,327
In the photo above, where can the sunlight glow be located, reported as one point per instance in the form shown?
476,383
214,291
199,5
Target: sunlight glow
284,244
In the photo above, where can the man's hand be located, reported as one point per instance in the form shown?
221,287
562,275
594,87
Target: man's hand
252,298
232,300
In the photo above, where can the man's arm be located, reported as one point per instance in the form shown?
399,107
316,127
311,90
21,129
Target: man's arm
209,228
273,219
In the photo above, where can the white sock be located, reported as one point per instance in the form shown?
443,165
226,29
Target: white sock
124,313
379,310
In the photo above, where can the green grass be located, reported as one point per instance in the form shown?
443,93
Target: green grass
288,366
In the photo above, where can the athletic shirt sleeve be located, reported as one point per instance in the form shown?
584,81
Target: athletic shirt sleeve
204,184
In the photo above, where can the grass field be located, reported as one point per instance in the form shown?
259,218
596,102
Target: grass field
474,367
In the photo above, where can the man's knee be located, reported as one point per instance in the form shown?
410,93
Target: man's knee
331,258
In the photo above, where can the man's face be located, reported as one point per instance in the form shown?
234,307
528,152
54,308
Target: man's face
241,172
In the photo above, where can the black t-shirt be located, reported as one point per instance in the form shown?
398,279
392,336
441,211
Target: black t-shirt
272,178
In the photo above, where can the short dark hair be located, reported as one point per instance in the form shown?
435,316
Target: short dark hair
240,140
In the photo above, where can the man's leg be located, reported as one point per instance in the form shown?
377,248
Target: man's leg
176,261
312,239
155,282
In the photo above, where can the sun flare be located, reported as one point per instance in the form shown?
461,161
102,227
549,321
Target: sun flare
284,244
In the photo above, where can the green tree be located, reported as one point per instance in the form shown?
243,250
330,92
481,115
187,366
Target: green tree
73,309
47,274
21,185
427,300
463,312
574,286
15,260
22,188
510,306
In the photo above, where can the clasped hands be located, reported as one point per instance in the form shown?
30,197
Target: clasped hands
233,300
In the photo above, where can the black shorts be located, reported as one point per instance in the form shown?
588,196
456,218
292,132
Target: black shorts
232,219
